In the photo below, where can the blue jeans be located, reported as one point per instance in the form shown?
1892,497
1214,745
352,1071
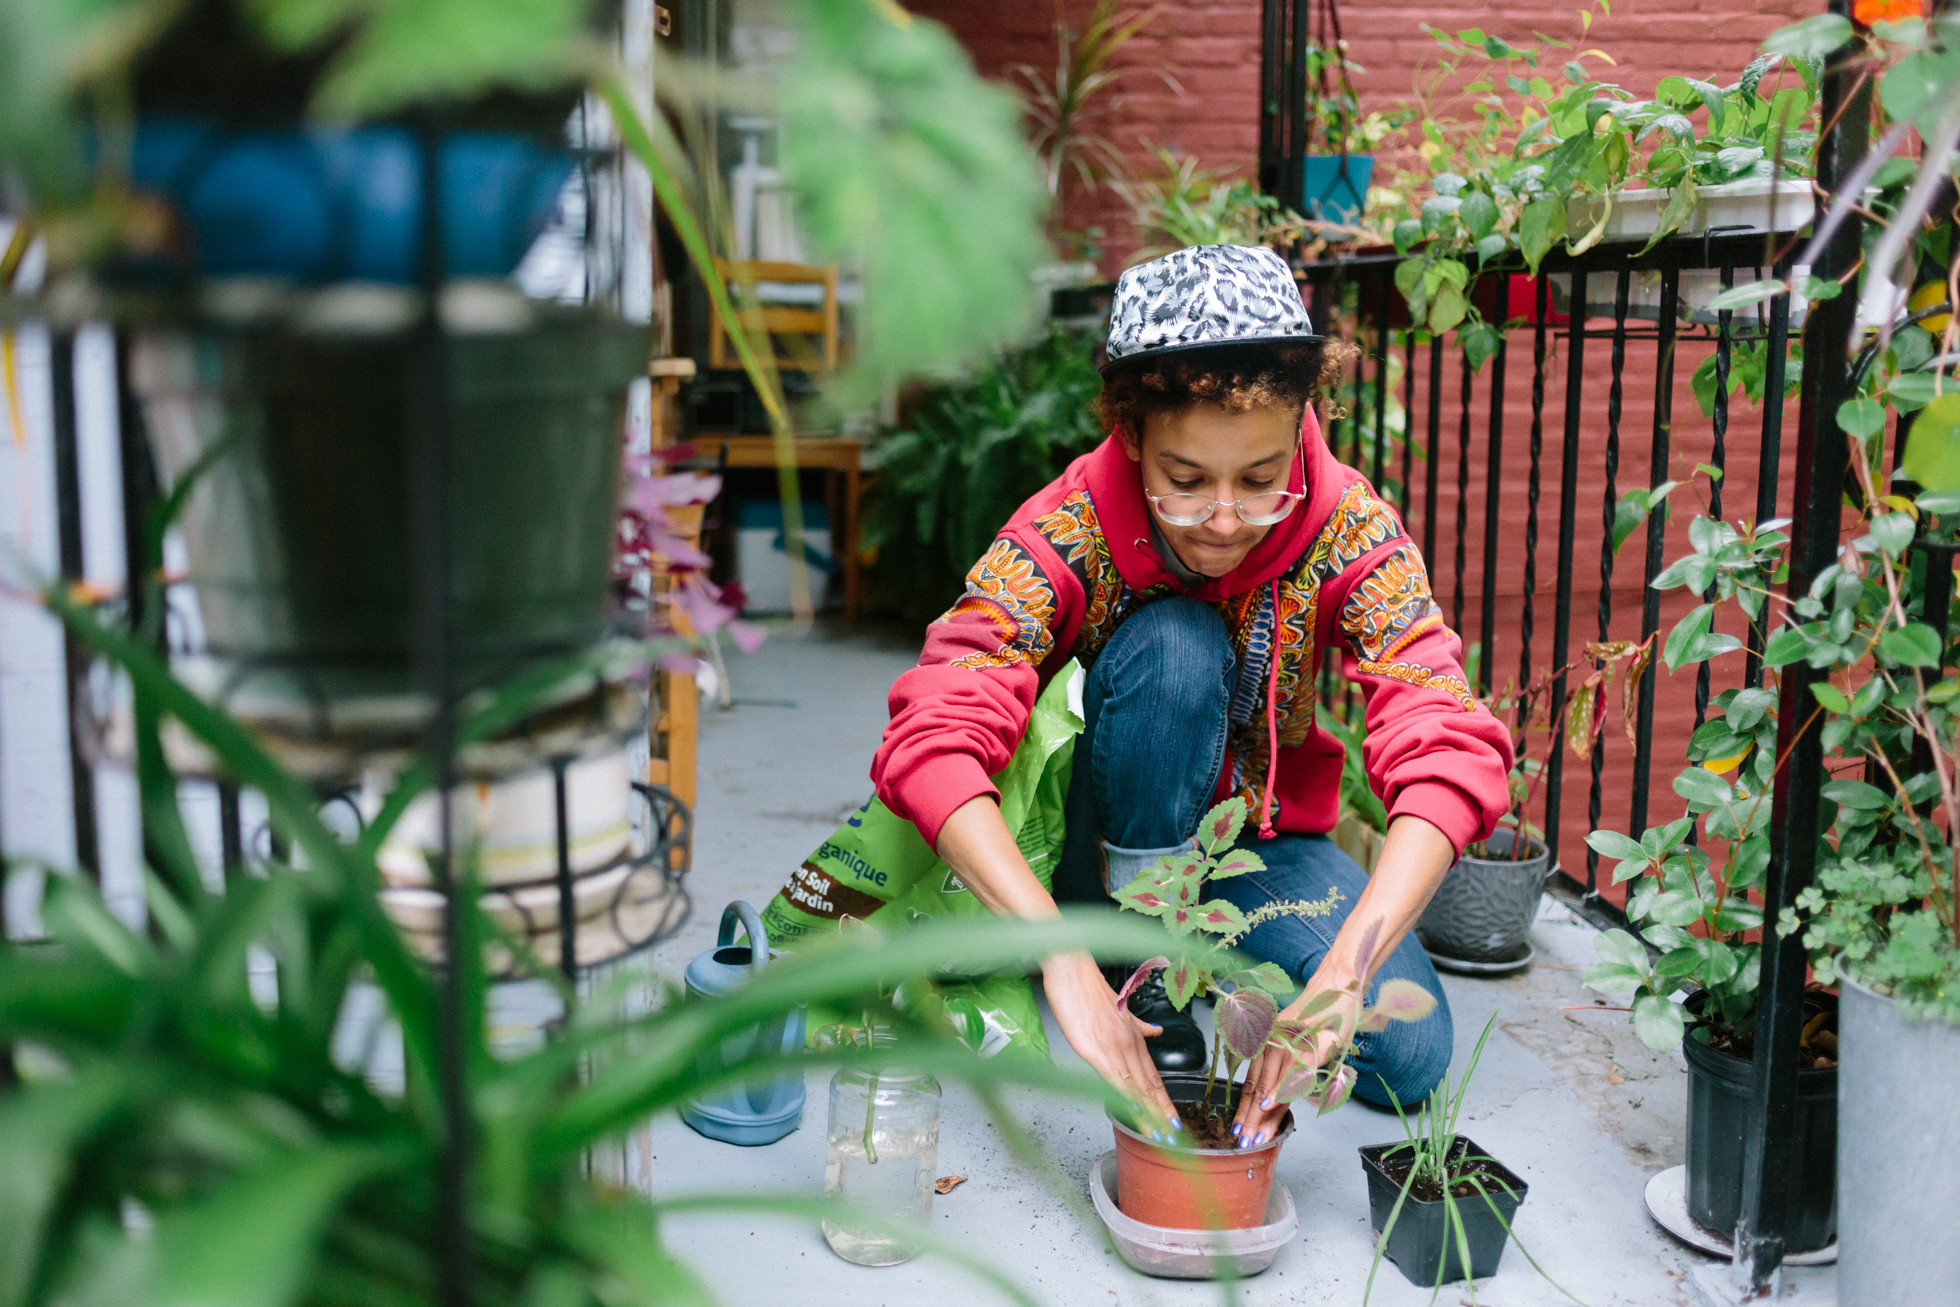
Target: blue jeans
1155,704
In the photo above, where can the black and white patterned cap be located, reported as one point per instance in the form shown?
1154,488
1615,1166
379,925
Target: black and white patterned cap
1204,296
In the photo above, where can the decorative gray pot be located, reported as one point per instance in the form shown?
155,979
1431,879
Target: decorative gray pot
1484,909
1898,1136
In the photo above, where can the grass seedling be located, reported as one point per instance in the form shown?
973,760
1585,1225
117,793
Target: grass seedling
1435,1162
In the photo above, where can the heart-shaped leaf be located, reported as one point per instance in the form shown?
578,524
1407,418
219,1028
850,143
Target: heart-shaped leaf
1142,896
1245,1020
1403,1000
1222,825
1336,1090
1182,982
1138,976
1237,863
1221,918
1296,1084
1269,976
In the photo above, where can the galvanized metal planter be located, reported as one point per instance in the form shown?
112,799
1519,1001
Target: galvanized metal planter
1484,908
1898,1138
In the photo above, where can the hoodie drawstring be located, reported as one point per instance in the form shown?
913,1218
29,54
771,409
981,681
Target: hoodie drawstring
1266,830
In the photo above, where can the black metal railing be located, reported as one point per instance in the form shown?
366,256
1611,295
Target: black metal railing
1631,303
1601,421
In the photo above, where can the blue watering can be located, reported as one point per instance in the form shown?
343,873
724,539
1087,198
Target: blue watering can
759,1113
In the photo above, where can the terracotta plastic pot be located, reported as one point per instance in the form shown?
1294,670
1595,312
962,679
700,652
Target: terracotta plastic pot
1195,1188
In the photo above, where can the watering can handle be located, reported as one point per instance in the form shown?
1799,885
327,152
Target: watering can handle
739,911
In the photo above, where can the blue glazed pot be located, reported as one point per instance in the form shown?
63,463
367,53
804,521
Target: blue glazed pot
1334,187
326,204
760,1112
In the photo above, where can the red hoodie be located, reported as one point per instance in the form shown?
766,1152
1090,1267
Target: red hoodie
1076,560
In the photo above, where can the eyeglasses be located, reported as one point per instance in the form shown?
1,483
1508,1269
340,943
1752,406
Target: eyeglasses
1254,510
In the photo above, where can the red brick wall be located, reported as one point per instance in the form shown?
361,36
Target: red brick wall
1212,48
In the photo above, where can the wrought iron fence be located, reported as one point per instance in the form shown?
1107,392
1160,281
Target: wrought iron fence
1591,419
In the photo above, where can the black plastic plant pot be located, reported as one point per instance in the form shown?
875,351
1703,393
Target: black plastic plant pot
1718,1118
305,533
1422,1240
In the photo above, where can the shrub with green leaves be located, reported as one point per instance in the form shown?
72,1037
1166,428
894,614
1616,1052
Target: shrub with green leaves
1692,908
971,454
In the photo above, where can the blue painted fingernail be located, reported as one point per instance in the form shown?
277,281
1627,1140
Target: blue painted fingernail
1158,1137
1260,1140
1176,1124
1267,1101
1237,1129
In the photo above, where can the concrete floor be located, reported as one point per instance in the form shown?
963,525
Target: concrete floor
1570,1100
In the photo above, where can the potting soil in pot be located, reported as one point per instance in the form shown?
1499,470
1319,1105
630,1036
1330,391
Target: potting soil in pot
1421,1240
1215,1185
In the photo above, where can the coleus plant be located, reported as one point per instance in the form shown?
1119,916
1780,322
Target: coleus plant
1246,1018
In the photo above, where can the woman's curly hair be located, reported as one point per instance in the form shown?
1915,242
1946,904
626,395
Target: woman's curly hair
1238,378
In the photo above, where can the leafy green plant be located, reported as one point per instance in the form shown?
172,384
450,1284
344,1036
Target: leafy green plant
1184,204
1506,183
1069,111
1439,1164
1884,907
971,453
1693,908
1334,113
1246,1019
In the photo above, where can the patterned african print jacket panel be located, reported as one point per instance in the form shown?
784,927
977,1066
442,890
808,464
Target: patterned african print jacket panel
1076,561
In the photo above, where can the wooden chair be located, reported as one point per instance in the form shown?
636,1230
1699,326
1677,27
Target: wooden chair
673,723
778,320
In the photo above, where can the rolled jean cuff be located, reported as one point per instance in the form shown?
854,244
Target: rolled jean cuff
1121,866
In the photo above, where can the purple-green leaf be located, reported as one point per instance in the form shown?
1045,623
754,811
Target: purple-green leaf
1138,976
1181,982
1245,1019
1221,918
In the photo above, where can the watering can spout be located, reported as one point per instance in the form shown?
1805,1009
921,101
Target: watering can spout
758,1112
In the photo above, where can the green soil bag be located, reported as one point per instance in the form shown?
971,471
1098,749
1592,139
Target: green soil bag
878,868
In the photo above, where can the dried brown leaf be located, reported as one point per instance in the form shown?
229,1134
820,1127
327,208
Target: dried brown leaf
945,1184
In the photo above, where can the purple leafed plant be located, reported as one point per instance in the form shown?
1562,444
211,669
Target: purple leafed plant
1246,1018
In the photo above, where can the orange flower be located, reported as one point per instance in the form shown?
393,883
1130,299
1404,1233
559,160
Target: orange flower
1870,12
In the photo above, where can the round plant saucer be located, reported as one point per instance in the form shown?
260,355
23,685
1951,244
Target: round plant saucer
1667,1203
1518,961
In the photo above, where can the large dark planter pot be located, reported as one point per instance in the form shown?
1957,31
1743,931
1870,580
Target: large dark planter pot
1484,908
1421,1239
1898,1185
303,534
1718,1116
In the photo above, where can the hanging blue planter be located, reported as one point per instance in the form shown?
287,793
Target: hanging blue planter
321,204
1335,186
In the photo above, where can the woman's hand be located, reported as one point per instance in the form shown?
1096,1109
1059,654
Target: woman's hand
975,842
1106,1033
1260,1111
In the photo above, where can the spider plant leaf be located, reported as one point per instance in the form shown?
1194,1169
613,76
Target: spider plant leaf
249,1242
42,1129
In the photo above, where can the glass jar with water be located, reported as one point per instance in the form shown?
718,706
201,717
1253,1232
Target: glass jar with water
883,1150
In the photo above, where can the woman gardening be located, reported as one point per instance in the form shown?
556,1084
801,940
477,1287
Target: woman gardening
1197,564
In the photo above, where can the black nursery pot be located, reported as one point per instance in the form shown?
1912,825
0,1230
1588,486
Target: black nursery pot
1718,1117
1421,1239
303,535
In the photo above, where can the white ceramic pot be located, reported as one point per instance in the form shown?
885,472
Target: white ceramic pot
1738,206
513,824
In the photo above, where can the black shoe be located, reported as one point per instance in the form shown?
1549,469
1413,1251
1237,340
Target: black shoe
1182,1045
